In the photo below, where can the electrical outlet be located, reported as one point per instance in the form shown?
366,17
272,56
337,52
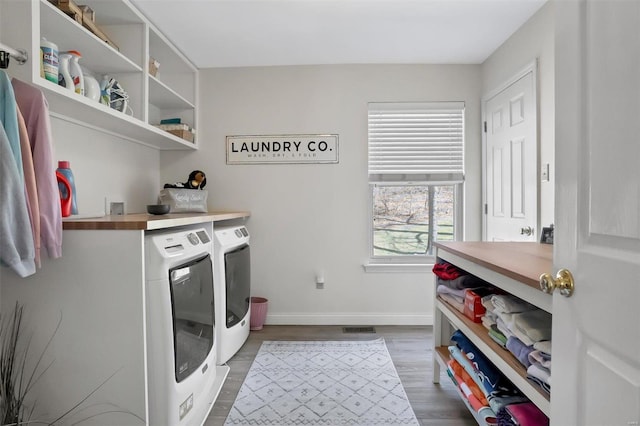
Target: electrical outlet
320,280
116,208
113,207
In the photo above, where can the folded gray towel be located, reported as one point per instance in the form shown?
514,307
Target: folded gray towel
534,324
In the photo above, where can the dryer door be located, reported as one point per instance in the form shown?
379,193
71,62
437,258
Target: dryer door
193,314
237,267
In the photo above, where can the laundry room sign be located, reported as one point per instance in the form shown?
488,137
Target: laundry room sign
268,149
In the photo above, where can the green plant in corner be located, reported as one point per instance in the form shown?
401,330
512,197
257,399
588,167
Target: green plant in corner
16,382
14,386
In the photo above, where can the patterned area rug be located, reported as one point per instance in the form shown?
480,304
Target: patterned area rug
322,383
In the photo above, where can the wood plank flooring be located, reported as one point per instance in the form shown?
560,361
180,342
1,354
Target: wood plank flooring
409,347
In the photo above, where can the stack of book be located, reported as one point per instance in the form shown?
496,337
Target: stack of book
176,127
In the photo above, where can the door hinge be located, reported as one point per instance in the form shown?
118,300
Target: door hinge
485,127
486,209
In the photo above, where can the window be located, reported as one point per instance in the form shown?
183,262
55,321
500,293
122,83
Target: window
416,170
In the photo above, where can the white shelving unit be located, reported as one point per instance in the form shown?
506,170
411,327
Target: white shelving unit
171,93
513,267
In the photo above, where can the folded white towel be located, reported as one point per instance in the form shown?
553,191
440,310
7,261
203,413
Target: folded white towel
523,337
508,303
504,329
493,317
544,346
486,302
540,358
506,317
539,372
459,306
487,322
458,295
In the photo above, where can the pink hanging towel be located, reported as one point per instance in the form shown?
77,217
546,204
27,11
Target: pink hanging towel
35,110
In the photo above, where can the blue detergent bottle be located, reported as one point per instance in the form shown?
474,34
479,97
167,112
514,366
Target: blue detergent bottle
64,168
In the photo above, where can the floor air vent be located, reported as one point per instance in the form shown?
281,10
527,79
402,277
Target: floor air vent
358,330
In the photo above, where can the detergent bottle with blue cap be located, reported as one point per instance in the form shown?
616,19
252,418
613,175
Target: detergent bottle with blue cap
65,170
64,188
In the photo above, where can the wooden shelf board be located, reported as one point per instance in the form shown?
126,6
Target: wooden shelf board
148,222
522,261
442,352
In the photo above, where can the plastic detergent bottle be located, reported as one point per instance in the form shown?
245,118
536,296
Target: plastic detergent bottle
65,170
66,199
49,52
64,77
76,71
91,85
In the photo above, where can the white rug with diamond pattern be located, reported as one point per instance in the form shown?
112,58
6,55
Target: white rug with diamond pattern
322,383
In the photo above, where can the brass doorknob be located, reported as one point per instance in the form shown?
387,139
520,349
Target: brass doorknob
563,282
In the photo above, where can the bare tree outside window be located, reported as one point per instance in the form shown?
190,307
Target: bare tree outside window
407,219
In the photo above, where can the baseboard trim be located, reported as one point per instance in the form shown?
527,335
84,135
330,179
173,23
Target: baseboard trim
348,319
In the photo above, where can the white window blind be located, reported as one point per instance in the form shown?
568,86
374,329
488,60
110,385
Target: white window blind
416,142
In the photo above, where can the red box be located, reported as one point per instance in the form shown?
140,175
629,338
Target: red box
473,308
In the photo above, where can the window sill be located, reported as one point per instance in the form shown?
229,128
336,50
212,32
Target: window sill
397,267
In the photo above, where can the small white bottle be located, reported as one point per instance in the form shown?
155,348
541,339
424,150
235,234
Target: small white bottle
64,77
91,85
76,71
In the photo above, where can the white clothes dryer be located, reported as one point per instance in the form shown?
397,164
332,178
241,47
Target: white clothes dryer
183,376
232,284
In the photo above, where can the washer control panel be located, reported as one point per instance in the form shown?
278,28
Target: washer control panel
168,247
181,242
204,237
241,232
193,238
231,236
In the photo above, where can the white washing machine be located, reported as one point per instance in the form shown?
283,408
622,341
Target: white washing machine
232,284
183,376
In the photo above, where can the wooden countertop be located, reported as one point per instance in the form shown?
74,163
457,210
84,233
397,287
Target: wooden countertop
144,221
522,261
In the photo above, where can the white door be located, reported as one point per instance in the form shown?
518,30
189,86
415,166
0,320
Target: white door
596,332
511,161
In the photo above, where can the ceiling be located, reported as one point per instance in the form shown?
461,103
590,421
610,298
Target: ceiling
240,33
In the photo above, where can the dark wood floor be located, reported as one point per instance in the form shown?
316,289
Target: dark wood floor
410,349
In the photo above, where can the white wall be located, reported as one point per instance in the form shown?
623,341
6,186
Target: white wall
533,40
107,166
306,217
102,165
